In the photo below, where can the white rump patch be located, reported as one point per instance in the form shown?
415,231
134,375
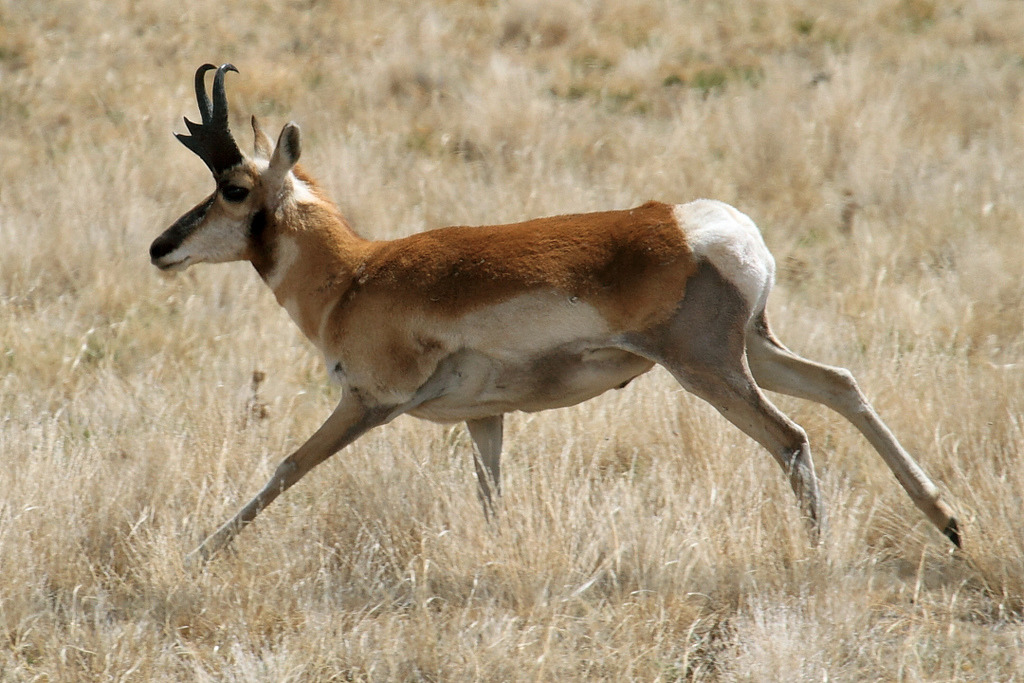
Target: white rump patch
731,242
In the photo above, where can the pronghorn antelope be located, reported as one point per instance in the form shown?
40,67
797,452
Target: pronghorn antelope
467,324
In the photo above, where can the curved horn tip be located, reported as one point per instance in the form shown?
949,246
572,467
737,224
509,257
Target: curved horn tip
218,80
220,102
205,110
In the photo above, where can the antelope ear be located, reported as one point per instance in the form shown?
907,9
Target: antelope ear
286,153
264,146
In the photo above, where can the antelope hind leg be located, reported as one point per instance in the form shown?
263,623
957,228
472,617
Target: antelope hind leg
776,368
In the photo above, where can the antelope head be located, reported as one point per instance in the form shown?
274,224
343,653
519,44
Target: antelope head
227,225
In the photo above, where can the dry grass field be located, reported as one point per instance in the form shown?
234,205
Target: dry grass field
878,144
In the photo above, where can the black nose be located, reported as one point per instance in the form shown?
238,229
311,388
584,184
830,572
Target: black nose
162,246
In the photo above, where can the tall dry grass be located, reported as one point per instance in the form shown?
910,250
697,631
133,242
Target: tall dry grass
880,145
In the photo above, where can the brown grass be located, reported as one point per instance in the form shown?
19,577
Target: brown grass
880,145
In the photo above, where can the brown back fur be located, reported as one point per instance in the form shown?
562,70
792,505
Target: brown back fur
632,265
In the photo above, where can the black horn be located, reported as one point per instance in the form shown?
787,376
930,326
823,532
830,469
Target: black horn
220,100
205,109
211,140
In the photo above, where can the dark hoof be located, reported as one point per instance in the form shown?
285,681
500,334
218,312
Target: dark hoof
952,532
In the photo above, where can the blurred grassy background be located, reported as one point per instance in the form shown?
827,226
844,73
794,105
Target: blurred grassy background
880,146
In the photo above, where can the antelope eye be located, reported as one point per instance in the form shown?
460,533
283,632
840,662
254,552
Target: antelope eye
235,193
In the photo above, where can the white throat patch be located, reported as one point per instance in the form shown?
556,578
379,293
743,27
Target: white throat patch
286,254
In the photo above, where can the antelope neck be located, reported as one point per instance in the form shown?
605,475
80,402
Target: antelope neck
308,262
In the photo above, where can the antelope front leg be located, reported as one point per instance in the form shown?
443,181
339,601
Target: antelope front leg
350,420
486,433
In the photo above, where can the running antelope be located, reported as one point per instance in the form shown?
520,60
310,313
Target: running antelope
465,324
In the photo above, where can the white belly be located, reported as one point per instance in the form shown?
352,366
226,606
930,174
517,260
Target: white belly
481,386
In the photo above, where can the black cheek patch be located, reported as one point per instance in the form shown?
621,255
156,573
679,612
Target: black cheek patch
262,253
258,223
